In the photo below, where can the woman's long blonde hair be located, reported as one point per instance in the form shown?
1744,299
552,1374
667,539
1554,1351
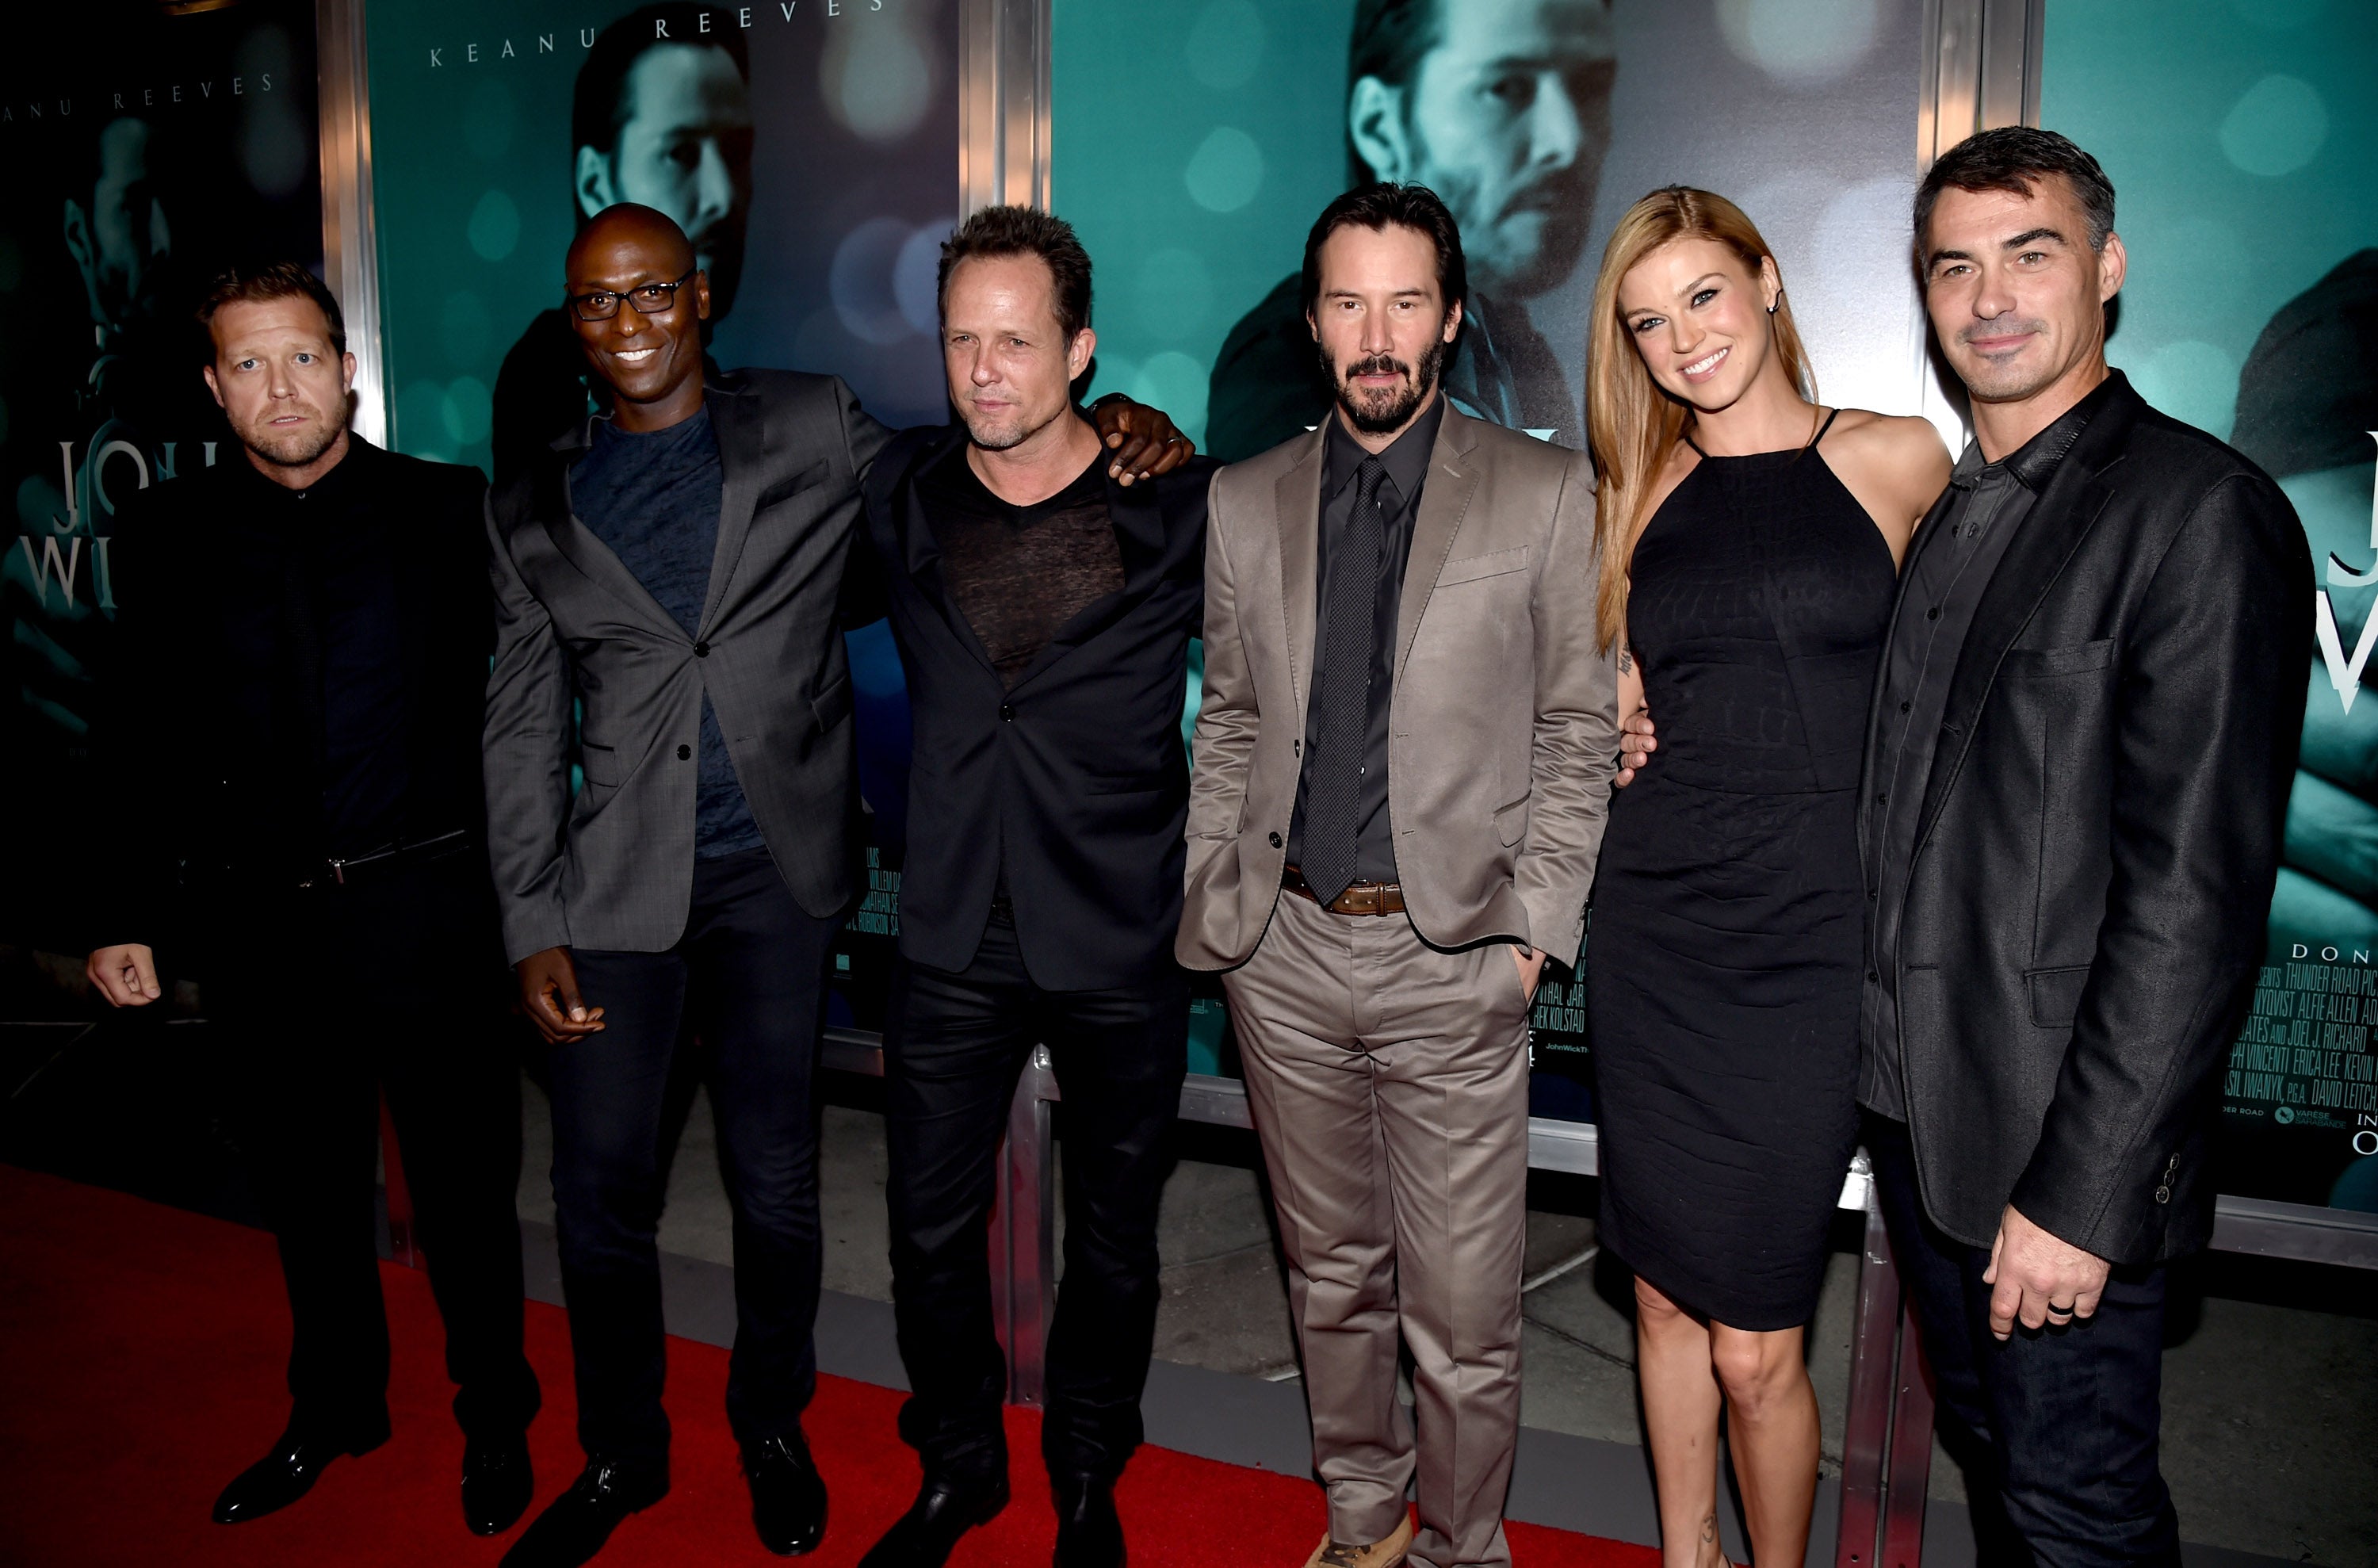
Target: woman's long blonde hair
1631,423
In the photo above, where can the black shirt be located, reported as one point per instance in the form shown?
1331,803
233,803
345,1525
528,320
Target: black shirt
654,497
1948,571
1019,573
1406,461
338,625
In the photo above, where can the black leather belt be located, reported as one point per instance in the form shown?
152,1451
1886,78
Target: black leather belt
346,871
1361,898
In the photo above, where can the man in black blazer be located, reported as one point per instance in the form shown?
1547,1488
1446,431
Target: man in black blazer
2082,742
1043,612
673,572
290,740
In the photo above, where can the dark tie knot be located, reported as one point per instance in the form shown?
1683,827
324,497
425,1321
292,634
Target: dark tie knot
1368,480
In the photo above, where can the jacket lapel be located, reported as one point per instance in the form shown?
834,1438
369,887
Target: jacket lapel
921,552
745,446
2052,533
1296,498
1443,498
578,543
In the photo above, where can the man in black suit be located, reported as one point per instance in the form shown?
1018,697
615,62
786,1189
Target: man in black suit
1043,614
291,739
674,571
2082,739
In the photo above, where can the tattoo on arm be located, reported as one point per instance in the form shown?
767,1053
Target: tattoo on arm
1709,1528
1625,660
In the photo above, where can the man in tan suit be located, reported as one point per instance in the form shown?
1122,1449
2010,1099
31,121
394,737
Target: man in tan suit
1402,760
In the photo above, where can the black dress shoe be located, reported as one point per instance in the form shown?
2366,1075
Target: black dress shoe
288,1473
943,1511
497,1482
574,1526
787,1495
1088,1533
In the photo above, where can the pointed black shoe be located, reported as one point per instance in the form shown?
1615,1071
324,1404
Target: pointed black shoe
497,1483
288,1473
787,1495
1089,1535
574,1526
944,1510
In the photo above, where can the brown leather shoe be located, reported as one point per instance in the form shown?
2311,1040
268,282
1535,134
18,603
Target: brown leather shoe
1389,1553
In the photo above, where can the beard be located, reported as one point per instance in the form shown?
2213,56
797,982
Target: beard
1376,413
293,449
1531,242
2000,380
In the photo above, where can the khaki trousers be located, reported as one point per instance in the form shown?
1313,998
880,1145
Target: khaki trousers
1389,1082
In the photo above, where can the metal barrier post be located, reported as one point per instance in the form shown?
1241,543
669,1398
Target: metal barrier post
1024,1231
1887,1443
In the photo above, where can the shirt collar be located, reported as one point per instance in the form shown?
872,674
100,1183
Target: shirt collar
2035,463
332,487
1406,457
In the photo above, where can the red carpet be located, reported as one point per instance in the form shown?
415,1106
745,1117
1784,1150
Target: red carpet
140,1367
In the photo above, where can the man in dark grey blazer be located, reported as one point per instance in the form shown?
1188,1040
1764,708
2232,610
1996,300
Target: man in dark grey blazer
2082,739
675,571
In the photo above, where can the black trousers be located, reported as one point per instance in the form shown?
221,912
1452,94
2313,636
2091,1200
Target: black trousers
953,1049
2057,1427
747,979
326,997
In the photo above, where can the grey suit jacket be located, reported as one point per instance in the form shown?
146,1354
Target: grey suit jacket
1504,730
613,866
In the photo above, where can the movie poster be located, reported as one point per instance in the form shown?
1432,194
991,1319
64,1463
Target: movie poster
809,148
1195,140
2243,141
149,144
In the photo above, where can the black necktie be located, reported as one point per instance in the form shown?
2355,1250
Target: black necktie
1333,799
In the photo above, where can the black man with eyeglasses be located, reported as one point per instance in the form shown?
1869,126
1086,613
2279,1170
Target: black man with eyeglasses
676,571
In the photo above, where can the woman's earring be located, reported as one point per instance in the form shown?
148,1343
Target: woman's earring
1770,309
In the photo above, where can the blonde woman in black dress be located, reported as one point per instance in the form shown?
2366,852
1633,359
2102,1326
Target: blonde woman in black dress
1751,539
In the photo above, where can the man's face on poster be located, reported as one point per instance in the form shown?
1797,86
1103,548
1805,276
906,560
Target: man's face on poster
1507,118
684,147
119,236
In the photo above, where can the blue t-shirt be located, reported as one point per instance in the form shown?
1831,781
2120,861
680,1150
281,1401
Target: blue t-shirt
654,497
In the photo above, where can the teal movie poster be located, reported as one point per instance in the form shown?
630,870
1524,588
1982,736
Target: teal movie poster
1195,141
809,148
2241,136
148,145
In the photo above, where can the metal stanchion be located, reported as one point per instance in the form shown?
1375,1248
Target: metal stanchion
1023,1233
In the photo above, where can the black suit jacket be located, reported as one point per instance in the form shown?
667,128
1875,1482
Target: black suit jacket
2098,839
202,743
1078,777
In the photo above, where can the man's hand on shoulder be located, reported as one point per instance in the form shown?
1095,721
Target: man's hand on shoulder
2038,1278
548,994
1144,440
125,974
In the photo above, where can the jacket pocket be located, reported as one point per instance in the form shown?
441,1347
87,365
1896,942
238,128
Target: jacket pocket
2073,658
1468,569
2056,995
832,704
1512,823
791,485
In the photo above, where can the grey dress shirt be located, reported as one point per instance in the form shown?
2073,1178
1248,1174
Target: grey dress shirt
1406,461
1948,571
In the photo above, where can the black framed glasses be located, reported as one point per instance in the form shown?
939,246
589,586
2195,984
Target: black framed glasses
650,300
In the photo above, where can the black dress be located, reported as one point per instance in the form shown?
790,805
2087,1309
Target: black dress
1724,958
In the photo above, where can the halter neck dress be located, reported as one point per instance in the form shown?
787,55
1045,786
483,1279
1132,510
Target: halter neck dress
1725,952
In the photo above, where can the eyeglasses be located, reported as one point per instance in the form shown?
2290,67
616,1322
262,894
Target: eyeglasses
650,300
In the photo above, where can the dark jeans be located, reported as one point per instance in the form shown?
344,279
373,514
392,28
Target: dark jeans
953,1048
748,978
326,997
2057,1427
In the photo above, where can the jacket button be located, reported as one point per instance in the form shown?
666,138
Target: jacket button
1007,712
685,753
1275,840
2163,1194
1932,614
702,651
1874,977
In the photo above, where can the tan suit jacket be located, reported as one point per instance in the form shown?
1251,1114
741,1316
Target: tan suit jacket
1503,728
